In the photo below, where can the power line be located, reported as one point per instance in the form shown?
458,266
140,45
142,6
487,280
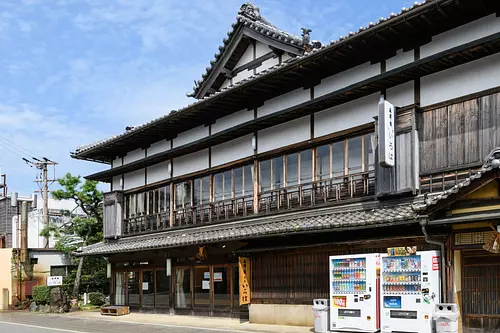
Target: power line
19,148
12,151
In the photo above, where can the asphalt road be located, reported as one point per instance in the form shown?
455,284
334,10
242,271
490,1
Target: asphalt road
39,323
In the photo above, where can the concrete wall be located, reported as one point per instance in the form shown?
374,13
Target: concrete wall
464,34
281,314
5,277
461,80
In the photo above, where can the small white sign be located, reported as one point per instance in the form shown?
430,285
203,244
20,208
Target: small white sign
206,275
54,281
217,276
145,286
386,133
205,284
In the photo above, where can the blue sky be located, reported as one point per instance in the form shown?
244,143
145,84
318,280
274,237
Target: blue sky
75,71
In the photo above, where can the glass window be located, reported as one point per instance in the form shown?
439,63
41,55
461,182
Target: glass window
151,202
369,152
354,147
323,162
205,190
182,288
228,184
248,175
338,159
277,173
238,182
133,289
292,169
120,288
141,203
161,199
265,175
196,192
157,200
201,287
162,289
306,168
218,187
183,194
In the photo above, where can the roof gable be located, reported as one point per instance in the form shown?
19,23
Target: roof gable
249,29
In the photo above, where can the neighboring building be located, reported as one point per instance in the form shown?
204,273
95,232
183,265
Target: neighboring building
277,162
7,215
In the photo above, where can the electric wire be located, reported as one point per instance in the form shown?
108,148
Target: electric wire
19,148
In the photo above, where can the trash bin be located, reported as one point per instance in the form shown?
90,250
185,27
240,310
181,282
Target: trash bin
446,318
321,311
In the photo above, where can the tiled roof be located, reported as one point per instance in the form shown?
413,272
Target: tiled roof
492,162
355,216
263,73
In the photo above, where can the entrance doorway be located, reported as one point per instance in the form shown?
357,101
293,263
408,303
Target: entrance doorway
213,292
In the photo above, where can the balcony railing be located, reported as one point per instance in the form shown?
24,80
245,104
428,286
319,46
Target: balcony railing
444,180
318,192
146,223
330,190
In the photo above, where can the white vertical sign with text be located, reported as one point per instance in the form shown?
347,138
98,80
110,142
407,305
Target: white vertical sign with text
386,133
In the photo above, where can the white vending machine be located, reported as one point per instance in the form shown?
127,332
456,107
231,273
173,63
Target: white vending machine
355,293
411,286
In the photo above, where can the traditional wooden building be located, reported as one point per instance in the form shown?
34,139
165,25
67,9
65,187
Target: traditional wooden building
275,167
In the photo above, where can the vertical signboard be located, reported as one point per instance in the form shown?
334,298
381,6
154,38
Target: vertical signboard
244,265
386,133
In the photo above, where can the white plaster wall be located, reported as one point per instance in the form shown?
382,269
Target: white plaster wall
133,155
267,64
116,162
157,172
116,183
400,59
462,80
261,49
134,179
464,34
232,120
355,113
226,83
402,95
158,147
346,78
232,150
48,259
245,58
285,57
282,102
191,135
190,163
284,134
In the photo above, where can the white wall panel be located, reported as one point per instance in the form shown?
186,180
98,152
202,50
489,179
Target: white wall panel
133,155
232,150
157,172
191,135
462,80
116,162
464,34
232,120
282,102
245,58
261,49
226,83
158,147
117,183
345,116
400,59
190,163
134,179
284,134
267,64
402,95
346,78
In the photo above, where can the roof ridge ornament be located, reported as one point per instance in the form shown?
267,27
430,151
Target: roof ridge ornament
252,12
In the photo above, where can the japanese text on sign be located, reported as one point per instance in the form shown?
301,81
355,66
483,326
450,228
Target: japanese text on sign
244,268
386,133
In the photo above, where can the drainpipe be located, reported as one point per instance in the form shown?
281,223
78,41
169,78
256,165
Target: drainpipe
424,220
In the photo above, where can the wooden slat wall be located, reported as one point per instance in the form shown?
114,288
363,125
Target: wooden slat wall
461,133
404,179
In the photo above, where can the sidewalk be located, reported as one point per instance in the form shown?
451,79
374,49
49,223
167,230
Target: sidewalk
207,323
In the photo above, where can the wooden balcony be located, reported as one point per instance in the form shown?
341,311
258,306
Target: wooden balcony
331,190
443,180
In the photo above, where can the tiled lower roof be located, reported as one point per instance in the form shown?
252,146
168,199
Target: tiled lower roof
347,217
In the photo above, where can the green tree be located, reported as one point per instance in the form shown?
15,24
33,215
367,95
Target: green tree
80,230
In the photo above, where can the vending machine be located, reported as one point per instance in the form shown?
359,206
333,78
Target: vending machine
411,286
355,293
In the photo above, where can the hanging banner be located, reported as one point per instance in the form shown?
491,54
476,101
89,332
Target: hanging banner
244,267
386,134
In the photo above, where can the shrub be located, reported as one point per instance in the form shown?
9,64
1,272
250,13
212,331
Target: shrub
41,295
96,298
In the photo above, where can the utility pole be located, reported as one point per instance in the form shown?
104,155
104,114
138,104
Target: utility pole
43,166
